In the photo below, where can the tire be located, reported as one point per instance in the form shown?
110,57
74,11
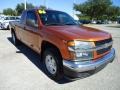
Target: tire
53,64
15,41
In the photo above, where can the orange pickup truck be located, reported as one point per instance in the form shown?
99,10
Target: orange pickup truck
66,48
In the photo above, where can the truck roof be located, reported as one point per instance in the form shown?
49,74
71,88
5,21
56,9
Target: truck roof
35,9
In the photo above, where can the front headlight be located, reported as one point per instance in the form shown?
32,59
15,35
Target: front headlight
81,50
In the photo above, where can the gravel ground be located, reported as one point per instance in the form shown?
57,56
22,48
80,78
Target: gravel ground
21,69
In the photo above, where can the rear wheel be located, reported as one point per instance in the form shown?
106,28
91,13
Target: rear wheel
53,64
14,39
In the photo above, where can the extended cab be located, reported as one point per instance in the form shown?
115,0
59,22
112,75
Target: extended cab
65,47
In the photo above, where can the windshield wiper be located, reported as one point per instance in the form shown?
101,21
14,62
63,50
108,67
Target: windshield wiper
69,24
53,24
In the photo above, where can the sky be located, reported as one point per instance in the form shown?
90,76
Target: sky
62,5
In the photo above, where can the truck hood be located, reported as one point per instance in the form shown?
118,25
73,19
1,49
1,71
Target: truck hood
79,33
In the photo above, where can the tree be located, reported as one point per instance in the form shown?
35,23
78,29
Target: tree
9,11
93,8
43,7
20,7
113,12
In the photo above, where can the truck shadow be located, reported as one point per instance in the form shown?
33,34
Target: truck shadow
35,59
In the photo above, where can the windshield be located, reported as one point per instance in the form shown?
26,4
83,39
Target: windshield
56,18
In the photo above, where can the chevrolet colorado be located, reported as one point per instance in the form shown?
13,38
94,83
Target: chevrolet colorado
65,47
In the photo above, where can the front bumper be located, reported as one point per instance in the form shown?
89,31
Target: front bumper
77,67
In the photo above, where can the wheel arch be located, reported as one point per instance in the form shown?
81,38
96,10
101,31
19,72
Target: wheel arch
45,45
12,30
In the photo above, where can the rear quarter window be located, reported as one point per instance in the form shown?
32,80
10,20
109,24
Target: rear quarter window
23,17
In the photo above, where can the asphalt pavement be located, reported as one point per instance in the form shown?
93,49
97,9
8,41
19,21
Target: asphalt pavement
21,69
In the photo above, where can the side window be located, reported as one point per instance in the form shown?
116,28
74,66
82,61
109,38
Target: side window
17,18
31,19
12,18
22,20
7,18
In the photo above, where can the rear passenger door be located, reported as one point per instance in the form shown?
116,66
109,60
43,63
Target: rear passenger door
31,31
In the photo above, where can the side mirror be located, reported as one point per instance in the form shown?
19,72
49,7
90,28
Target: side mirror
31,23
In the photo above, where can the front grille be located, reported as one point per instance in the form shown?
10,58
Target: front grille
102,42
101,51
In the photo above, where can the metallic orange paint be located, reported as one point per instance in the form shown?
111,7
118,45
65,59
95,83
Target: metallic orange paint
58,36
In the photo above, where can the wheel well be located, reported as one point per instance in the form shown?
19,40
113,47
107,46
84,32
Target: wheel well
12,30
45,45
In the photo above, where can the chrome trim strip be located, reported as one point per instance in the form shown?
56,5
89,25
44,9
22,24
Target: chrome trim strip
89,65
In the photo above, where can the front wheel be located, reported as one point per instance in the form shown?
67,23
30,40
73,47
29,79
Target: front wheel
53,64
